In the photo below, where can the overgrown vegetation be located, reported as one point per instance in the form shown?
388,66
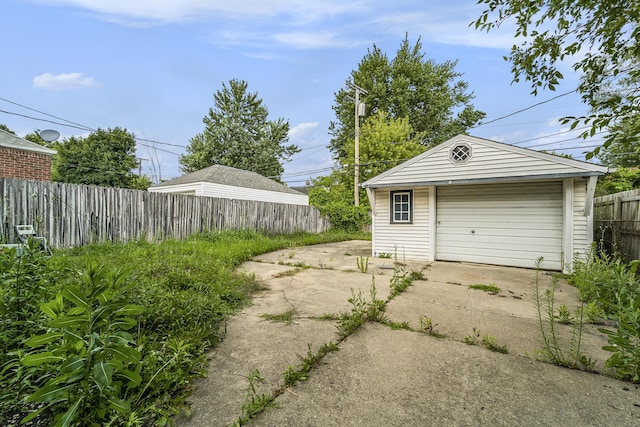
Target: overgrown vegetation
610,286
115,333
553,349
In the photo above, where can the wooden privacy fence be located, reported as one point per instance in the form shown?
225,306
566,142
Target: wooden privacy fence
617,223
73,215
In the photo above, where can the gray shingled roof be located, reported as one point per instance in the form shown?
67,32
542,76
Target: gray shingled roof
11,141
218,174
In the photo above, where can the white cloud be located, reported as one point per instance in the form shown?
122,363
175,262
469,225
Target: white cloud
302,129
172,11
315,40
63,81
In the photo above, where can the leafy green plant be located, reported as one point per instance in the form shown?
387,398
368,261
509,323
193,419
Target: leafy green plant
307,362
490,343
474,338
624,342
427,326
362,311
547,319
93,360
593,312
417,275
564,315
254,403
492,289
363,264
400,280
384,255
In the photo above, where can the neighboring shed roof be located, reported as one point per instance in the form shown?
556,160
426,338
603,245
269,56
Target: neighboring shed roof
225,175
9,140
489,161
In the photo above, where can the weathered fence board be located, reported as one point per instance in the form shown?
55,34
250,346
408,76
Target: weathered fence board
75,215
617,223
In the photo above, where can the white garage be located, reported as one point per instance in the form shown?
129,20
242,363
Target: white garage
475,200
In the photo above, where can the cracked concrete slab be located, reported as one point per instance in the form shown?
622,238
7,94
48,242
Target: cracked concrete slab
386,377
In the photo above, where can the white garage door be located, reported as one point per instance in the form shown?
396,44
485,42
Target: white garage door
505,224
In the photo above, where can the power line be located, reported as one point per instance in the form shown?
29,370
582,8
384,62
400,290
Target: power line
524,109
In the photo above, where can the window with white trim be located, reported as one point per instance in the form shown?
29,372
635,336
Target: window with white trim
401,207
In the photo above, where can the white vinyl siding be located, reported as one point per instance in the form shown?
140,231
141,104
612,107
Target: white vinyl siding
232,192
407,241
489,161
581,223
505,224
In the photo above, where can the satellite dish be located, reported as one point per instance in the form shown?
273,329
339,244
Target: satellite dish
49,135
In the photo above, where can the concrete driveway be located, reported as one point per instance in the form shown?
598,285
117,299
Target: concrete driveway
382,376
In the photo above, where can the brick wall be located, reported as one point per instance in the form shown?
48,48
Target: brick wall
24,164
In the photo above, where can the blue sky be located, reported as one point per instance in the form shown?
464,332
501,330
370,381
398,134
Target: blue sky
152,66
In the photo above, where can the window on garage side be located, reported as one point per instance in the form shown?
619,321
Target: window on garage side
401,207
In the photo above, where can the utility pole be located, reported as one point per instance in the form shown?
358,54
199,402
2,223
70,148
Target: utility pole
359,112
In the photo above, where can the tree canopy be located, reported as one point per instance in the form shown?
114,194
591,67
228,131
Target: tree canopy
106,157
431,95
238,134
6,129
385,142
600,38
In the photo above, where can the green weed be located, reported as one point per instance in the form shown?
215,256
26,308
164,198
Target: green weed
363,264
490,343
474,338
287,317
254,403
492,289
427,326
362,311
384,255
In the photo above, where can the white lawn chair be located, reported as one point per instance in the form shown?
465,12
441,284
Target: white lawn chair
26,232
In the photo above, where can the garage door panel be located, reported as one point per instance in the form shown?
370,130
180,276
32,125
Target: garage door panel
512,224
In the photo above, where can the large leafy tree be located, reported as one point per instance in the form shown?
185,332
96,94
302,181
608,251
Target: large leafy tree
600,38
6,129
385,142
238,134
106,157
431,95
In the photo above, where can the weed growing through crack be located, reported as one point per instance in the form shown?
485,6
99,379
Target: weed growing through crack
547,319
363,264
564,316
427,326
397,326
384,255
254,403
491,289
307,362
287,317
287,273
362,311
474,338
490,343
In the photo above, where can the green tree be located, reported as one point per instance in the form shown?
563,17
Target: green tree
385,142
238,134
436,102
6,129
105,157
602,37
623,179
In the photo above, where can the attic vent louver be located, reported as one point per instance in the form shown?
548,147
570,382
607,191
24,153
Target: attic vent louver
460,153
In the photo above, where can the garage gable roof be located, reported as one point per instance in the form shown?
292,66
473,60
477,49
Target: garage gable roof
487,161
226,175
9,140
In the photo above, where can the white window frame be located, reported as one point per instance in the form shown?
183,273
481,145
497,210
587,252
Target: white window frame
408,203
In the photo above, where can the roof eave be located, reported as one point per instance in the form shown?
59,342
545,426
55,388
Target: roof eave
484,180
